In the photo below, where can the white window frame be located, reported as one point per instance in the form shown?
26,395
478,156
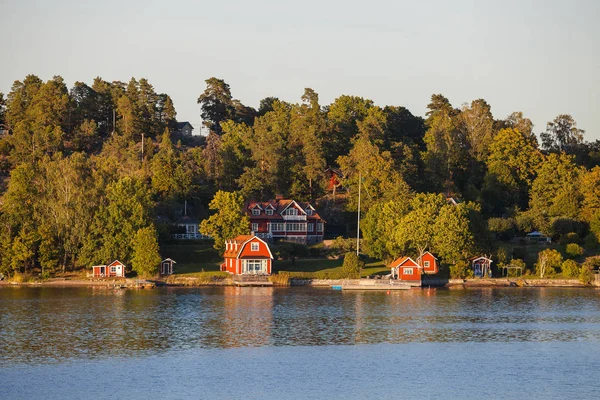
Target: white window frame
319,227
309,211
254,246
254,227
408,271
113,269
310,227
277,227
269,211
426,264
256,211
291,211
296,227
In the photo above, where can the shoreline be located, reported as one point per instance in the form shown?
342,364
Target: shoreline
195,282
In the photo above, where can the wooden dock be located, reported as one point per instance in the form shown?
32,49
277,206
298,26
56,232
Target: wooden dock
251,280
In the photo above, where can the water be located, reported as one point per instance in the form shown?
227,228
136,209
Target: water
299,343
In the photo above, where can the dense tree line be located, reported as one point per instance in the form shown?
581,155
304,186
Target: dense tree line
94,173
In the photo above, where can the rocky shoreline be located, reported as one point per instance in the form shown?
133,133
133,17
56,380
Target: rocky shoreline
195,282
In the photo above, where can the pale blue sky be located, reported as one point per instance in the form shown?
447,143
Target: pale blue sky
539,57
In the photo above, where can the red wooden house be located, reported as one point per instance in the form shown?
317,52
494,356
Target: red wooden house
285,219
114,269
406,269
247,254
429,263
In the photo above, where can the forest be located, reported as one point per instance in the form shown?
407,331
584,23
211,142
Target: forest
99,172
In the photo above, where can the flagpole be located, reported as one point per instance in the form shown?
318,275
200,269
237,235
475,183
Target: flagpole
358,227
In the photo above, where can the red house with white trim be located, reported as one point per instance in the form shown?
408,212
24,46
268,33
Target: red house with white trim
247,255
115,269
285,219
406,269
429,263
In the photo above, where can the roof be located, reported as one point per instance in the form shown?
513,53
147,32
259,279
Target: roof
169,260
116,262
241,241
480,258
427,252
279,206
535,233
403,260
181,125
186,220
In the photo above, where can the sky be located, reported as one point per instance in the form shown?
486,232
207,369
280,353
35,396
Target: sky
540,57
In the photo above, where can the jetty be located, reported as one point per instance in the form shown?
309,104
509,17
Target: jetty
251,280
373,284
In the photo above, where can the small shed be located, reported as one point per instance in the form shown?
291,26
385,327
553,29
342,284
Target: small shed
406,269
429,263
247,255
114,269
166,266
482,266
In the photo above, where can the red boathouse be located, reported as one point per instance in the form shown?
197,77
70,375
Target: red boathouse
406,269
247,255
114,269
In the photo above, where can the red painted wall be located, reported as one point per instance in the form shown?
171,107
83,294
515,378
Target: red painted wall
433,267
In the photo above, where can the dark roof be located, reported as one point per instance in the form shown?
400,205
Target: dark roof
279,206
181,125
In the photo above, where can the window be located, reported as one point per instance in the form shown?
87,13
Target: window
113,269
256,211
319,227
254,227
291,211
254,246
269,211
277,227
253,266
190,229
311,227
309,211
408,271
426,264
296,227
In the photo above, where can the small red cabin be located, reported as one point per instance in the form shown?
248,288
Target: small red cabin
247,254
429,263
114,269
406,269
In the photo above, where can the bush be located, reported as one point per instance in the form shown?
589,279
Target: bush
342,245
502,228
570,237
573,250
585,275
590,242
290,251
570,269
461,270
352,266
516,263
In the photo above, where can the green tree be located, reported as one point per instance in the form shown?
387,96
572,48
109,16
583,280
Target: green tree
453,239
548,261
228,221
555,192
379,179
216,103
573,250
352,266
146,257
570,269
477,124
562,134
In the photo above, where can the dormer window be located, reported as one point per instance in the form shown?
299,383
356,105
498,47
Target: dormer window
309,211
254,246
269,211
256,211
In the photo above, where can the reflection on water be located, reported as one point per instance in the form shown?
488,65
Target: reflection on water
40,325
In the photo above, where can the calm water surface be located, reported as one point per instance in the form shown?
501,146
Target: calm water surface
270,343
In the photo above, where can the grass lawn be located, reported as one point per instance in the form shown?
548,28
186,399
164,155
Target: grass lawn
326,268
192,257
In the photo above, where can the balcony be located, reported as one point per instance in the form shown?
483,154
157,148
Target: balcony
189,236
294,217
